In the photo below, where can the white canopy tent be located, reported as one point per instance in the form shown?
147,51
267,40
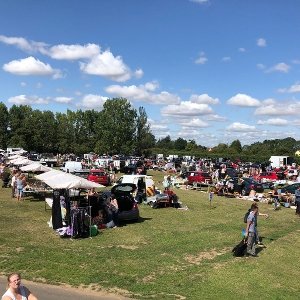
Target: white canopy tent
35,167
22,161
61,180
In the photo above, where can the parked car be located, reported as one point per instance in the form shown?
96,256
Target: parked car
128,207
267,176
290,188
196,177
249,184
99,176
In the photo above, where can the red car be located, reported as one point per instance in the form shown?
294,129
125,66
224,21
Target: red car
99,176
195,177
267,176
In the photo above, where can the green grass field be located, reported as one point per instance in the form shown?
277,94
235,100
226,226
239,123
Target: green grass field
169,254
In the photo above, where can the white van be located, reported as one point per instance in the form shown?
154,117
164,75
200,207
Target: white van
144,183
72,166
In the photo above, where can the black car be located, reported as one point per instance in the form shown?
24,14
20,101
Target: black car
290,188
128,207
247,185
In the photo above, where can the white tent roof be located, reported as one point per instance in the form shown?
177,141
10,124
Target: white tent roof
14,157
61,180
22,161
35,167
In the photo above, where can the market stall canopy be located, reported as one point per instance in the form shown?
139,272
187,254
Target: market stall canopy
22,161
60,180
35,167
15,157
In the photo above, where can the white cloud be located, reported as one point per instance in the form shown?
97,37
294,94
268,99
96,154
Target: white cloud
295,88
261,66
280,67
261,42
23,44
200,1
91,101
73,52
278,109
243,100
139,73
195,123
186,108
226,59
107,65
23,84
201,60
63,99
240,127
203,98
274,122
27,100
143,93
242,49
30,66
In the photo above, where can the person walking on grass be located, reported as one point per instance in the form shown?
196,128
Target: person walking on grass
16,291
251,230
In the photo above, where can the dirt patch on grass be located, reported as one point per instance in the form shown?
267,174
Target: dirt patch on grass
127,247
208,255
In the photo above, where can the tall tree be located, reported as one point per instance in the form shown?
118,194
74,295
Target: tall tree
4,122
116,127
144,138
180,144
236,146
18,119
165,143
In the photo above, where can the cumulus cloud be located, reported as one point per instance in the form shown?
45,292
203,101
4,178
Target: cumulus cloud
65,100
23,44
240,127
261,42
186,108
278,109
31,66
107,65
201,60
203,98
195,123
27,100
143,93
94,61
73,52
243,100
273,122
91,101
295,88
280,67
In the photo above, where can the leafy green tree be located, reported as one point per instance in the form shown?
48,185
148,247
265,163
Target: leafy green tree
4,122
144,138
180,144
165,143
191,146
18,119
116,127
236,146
65,133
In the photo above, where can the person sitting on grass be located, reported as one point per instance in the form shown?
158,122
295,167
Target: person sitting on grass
15,290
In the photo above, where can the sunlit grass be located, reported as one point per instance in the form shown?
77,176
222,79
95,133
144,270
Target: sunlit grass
170,254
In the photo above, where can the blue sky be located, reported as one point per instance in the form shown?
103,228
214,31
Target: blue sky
209,70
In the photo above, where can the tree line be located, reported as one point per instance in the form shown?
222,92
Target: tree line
118,128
